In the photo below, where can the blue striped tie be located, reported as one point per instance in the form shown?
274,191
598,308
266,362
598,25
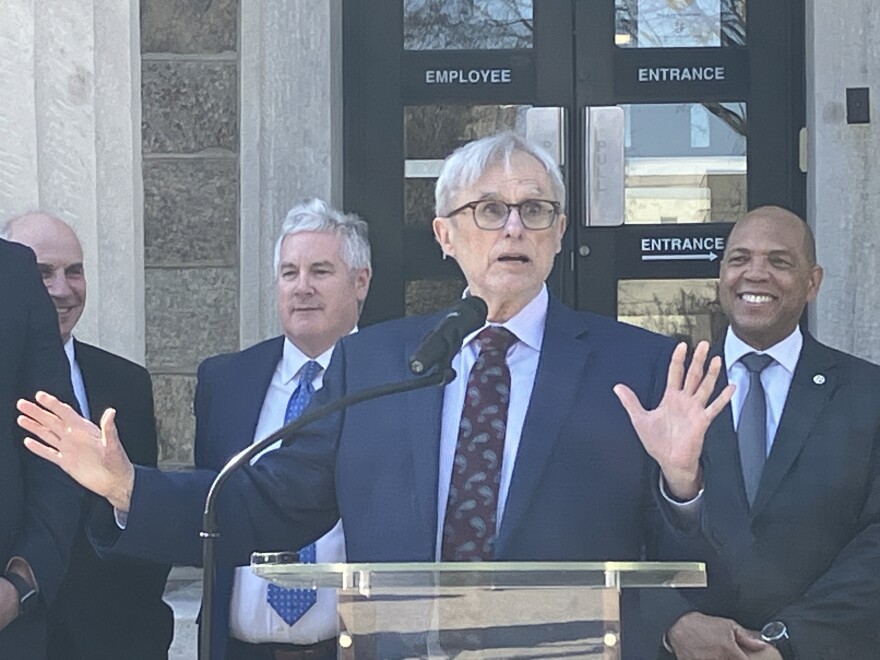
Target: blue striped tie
291,604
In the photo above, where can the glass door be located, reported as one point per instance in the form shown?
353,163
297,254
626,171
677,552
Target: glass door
669,119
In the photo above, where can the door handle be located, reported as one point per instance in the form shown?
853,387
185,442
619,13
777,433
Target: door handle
604,200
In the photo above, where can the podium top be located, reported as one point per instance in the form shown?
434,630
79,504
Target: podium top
283,569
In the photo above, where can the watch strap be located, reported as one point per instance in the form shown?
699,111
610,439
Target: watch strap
27,595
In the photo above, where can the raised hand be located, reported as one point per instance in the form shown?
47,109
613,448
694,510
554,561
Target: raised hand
674,431
92,456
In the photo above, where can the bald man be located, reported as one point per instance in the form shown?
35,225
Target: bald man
796,524
104,609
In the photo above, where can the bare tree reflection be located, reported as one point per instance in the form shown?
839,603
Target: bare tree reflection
467,24
733,22
686,310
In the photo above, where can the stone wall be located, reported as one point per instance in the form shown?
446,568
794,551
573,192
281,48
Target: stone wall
242,117
843,195
190,130
69,144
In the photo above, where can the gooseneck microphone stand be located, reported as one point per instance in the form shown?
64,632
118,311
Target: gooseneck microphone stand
210,532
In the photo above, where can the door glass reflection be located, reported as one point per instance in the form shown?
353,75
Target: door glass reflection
685,162
680,23
687,310
467,24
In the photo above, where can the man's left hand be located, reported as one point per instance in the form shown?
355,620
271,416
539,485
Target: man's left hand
674,431
754,647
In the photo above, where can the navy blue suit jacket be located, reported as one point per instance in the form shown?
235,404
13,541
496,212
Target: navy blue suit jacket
808,551
578,492
39,505
228,401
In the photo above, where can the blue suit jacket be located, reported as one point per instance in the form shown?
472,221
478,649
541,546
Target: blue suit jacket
228,401
578,492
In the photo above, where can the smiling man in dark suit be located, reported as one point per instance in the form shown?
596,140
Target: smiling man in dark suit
562,477
792,472
39,507
105,610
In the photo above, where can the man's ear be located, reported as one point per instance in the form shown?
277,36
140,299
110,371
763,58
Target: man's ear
816,274
362,279
561,223
443,228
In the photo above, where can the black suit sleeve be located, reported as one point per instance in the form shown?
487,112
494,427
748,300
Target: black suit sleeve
838,615
668,540
53,501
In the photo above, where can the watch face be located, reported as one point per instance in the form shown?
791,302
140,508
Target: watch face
773,631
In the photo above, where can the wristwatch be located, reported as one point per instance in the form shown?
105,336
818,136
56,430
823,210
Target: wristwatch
776,633
27,595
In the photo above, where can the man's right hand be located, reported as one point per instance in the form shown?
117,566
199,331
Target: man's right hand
93,456
696,636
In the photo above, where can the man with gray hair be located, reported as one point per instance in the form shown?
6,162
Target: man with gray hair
322,270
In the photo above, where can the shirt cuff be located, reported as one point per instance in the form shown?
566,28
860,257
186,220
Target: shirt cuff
21,566
121,517
667,647
686,513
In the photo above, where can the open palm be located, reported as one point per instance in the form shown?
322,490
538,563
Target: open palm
92,456
673,432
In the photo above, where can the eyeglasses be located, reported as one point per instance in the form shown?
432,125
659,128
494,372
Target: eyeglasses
493,214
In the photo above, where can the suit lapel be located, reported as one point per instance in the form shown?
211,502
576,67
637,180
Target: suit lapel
815,379
564,355
424,409
248,389
93,380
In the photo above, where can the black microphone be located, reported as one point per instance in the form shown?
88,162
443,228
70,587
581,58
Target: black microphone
445,340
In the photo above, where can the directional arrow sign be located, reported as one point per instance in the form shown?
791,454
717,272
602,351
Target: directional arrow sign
711,256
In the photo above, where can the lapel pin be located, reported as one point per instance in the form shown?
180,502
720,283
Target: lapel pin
819,379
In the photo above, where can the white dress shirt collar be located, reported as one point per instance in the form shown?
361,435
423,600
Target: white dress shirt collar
786,352
527,324
293,360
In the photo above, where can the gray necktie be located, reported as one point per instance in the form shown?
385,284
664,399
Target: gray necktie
752,429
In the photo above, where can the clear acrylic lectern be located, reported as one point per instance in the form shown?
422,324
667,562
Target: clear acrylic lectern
479,610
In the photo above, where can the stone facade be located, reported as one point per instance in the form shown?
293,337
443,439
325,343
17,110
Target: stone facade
844,175
190,132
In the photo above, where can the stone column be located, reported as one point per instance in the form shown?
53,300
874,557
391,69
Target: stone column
238,99
844,173
190,142
291,134
70,144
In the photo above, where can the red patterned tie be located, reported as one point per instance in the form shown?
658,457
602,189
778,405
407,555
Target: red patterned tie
470,525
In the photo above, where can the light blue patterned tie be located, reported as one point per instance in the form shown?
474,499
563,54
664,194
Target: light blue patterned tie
291,604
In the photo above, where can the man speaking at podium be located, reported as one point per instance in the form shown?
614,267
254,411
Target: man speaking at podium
558,474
